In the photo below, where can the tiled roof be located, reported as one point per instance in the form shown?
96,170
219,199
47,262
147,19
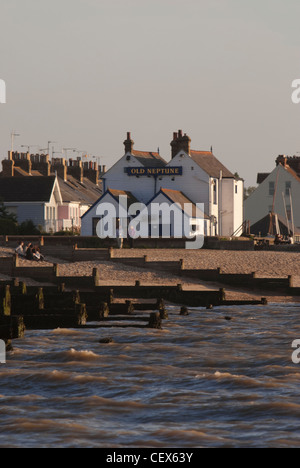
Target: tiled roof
26,189
122,193
73,191
149,159
178,197
261,177
292,172
210,164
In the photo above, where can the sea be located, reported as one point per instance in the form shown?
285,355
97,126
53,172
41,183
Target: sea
216,378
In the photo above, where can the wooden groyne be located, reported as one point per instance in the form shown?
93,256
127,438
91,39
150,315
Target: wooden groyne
50,307
10,266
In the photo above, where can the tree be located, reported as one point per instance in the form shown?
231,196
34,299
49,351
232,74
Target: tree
6,215
248,192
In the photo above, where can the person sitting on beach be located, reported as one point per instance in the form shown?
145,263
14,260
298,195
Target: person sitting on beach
37,254
29,253
20,249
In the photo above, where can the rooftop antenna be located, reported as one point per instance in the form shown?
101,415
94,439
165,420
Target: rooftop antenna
65,151
13,135
49,143
29,146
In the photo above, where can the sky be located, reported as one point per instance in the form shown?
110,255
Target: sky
82,73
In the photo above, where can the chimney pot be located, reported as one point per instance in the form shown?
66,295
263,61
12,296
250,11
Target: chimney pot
128,143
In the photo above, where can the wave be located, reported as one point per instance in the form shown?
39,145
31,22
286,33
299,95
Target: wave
244,381
73,355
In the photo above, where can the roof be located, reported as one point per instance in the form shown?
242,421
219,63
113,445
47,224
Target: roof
26,189
292,172
122,193
210,164
262,176
115,194
149,159
262,227
179,198
85,193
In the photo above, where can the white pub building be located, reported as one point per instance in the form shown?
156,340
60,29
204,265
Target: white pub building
194,177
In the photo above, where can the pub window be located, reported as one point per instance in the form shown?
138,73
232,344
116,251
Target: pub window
271,188
215,197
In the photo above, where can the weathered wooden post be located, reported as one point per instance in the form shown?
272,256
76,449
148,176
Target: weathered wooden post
61,288
76,297
184,311
161,306
5,301
40,299
80,311
23,288
96,277
222,294
56,270
103,311
155,321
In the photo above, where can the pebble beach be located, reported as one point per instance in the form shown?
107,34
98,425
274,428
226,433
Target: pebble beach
265,264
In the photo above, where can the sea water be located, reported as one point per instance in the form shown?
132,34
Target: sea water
202,381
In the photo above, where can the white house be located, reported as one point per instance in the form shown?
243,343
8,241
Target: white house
198,176
78,182
116,199
278,192
32,198
185,219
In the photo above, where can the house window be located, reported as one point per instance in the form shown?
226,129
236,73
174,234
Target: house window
288,187
95,223
215,196
236,189
272,188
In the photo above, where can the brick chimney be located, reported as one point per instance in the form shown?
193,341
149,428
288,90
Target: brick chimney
40,163
282,159
174,145
22,160
59,165
8,166
75,169
129,143
180,143
91,172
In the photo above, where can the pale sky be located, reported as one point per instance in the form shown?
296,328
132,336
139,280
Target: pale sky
84,72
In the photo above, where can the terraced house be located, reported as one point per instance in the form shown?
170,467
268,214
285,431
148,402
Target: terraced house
53,194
